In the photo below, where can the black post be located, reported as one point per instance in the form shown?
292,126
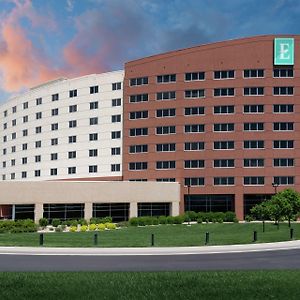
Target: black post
206,238
292,233
263,225
289,222
254,236
152,239
41,239
96,239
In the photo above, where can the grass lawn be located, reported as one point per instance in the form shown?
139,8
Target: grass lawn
152,285
165,235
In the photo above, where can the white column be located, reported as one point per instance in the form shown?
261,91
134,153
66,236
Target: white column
133,210
38,212
174,208
13,212
88,210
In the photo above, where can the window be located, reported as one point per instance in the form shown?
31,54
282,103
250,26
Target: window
194,181
138,98
72,170
166,78
72,139
54,112
53,172
71,154
14,122
283,126
38,144
116,86
224,127
166,95
224,109
254,73
13,135
224,163
254,180
165,179
93,136
73,93
194,146
223,180
253,91
39,101
5,138
24,160
254,126
93,152
54,126
37,173
223,145
138,131
94,105
4,151
93,169
166,130
168,164
283,108
283,180
134,115
138,149
38,129
72,108
254,144
4,164
25,119
94,121
24,146
283,90
5,113
283,162
194,76
54,156
115,135
12,176
194,128
72,124
194,164
94,89
55,97
224,74
223,92
137,166
115,167
283,73
166,147
116,102
283,144
54,141
138,81
194,111
13,149
116,151
168,112
24,174
25,105
116,118
14,109
13,162
37,158
253,108
5,126
194,93
254,162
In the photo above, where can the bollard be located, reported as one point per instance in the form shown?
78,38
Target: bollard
96,239
254,236
206,238
263,225
152,239
41,239
292,233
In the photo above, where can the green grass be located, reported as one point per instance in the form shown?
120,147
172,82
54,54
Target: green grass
165,235
152,285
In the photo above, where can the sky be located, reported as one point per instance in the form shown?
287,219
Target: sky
41,40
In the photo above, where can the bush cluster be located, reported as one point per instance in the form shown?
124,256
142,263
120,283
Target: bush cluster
101,220
17,226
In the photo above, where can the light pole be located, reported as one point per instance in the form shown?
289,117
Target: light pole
275,186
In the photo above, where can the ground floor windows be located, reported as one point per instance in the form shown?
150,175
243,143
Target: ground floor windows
64,211
251,200
153,209
117,211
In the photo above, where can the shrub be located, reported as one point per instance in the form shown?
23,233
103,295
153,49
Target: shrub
73,229
56,222
170,220
110,226
230,216
101,226
43,222
134,221
83,228
199,221
82,222
178,219
248,218
123,224
63,227
101,220
92,227
190,216
74,223
155,221
162,220
58,229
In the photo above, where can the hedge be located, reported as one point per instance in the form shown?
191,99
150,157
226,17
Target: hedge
18,226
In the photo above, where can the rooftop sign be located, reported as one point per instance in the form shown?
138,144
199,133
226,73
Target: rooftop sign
284,51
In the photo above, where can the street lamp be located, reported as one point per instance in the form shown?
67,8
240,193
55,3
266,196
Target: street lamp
275,186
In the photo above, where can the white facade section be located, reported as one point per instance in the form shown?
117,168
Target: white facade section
77,134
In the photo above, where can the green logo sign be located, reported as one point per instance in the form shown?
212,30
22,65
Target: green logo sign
284,51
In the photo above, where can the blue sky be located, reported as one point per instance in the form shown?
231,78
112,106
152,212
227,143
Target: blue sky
42,40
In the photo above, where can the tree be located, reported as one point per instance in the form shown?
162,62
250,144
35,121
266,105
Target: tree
261,212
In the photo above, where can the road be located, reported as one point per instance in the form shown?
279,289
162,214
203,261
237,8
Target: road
284,255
